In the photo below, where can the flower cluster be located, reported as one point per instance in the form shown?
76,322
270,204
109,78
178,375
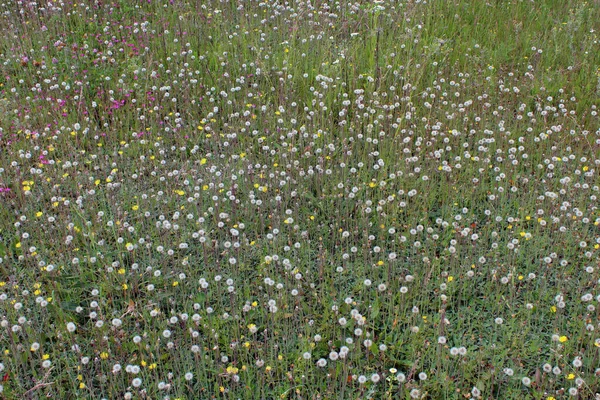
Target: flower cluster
306,199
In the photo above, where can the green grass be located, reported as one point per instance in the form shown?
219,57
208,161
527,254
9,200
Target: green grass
222,196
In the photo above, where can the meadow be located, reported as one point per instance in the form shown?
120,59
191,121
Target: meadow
299,199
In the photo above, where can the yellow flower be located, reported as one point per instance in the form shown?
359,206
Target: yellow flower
553,308
221,389
232,370
104,355
450,278
203,161
125,286
44,357
144,363
39,214
562,339
135,207
571,376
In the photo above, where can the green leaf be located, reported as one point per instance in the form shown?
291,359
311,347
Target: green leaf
375,309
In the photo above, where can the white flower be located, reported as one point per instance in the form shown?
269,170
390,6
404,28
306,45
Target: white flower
556,370
71,327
